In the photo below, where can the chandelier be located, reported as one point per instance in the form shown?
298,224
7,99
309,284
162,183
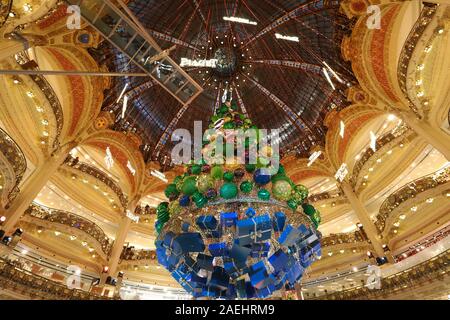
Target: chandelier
233,230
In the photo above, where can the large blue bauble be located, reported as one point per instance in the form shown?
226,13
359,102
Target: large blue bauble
261,178
185,201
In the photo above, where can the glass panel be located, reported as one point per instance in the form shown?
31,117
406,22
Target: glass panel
122,34
137,42
106,21
89,8
162,71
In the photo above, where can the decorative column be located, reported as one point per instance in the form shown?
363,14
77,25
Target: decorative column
434,136
33,186
363,217
121,235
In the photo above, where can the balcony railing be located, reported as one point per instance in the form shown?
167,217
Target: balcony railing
433,269
408,191
324,196
72,220
16,159
397,132
131,254
26,63
426,16
343,238
99,175
15,279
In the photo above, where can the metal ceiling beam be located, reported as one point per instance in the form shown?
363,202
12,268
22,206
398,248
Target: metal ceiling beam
302,10
169,38
72,73
306,67
292,116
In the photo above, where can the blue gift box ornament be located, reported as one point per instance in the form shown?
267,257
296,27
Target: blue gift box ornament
207,222
278,260
219,278
254,230
188,242
239,254
250,212
289,236
218,249
205,261
278,221
228,219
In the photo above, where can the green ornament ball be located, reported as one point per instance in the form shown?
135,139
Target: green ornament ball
281,170
246,186
281,190
263,194
308,209
189,186
228,176
228,190
199,199
196,169
250,168
171,191
216,172
292,204
175,208
300,193
178,181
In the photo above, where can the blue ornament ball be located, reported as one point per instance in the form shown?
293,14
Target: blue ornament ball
185,200
260,178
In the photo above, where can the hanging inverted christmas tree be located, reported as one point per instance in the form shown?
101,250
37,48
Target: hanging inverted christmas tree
234,230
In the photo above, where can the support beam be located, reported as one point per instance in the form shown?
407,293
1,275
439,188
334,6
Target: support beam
434,136
33,186
72,73
306,67
363,217
292,116
302,10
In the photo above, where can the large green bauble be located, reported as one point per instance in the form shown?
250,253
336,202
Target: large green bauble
189,186
199,199
292,204
280,177
196,169
308,209
178,181
228,176
281,170
217,172
250,167
175,208
204,182
159,227
281,190
228,190
162,212
316,218
263,194
300,193
246,186
171,191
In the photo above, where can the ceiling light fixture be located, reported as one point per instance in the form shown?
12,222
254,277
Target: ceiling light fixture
159,175
122,93
240,20
288,38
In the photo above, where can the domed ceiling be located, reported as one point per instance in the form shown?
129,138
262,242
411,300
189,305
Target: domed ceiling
277,82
